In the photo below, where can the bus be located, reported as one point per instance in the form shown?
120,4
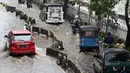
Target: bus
52,13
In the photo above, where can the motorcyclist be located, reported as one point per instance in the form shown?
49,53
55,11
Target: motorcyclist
108,40
76,24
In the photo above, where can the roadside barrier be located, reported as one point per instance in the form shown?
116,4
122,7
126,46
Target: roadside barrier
62,59
10,8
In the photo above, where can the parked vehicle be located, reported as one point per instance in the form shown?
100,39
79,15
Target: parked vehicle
52,13
112,60
89,38
20,42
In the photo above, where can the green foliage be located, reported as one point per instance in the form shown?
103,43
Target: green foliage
80,2
102,35
102,8
128,48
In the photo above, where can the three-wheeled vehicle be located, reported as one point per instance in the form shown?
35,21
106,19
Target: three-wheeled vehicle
89,38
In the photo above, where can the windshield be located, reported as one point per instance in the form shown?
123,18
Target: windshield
89,34
22,37
117,56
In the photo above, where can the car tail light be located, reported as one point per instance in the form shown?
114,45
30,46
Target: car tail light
104,68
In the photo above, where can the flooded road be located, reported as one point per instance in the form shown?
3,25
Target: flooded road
40,63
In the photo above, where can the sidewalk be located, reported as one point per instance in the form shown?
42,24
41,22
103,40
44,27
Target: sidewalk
63,32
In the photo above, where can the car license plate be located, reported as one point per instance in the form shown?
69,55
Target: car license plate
22,46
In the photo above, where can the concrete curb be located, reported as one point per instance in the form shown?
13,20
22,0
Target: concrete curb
62,59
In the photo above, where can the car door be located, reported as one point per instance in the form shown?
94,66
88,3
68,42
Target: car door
99,62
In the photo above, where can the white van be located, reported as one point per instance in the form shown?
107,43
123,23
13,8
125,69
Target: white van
52,13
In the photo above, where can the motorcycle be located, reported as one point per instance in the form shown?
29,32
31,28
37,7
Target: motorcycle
75,27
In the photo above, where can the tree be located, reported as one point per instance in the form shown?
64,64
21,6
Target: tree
103,8
127,43
80,3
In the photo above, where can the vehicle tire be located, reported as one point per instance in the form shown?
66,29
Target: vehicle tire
10,54
81,50
97,49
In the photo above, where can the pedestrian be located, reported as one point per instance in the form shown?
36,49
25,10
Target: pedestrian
119,44
108,39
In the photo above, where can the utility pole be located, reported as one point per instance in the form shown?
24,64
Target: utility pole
65,7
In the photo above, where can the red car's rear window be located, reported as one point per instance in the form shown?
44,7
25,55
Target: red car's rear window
22,37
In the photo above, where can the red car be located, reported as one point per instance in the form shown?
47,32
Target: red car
20,42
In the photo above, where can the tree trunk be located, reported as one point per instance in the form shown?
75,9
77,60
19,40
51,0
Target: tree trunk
89,17
127,23
79,11
127,44
107,24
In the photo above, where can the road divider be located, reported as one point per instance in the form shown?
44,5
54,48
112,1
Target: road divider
10,8
62,59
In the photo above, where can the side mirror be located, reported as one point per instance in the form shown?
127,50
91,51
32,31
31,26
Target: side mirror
95,56
6,36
